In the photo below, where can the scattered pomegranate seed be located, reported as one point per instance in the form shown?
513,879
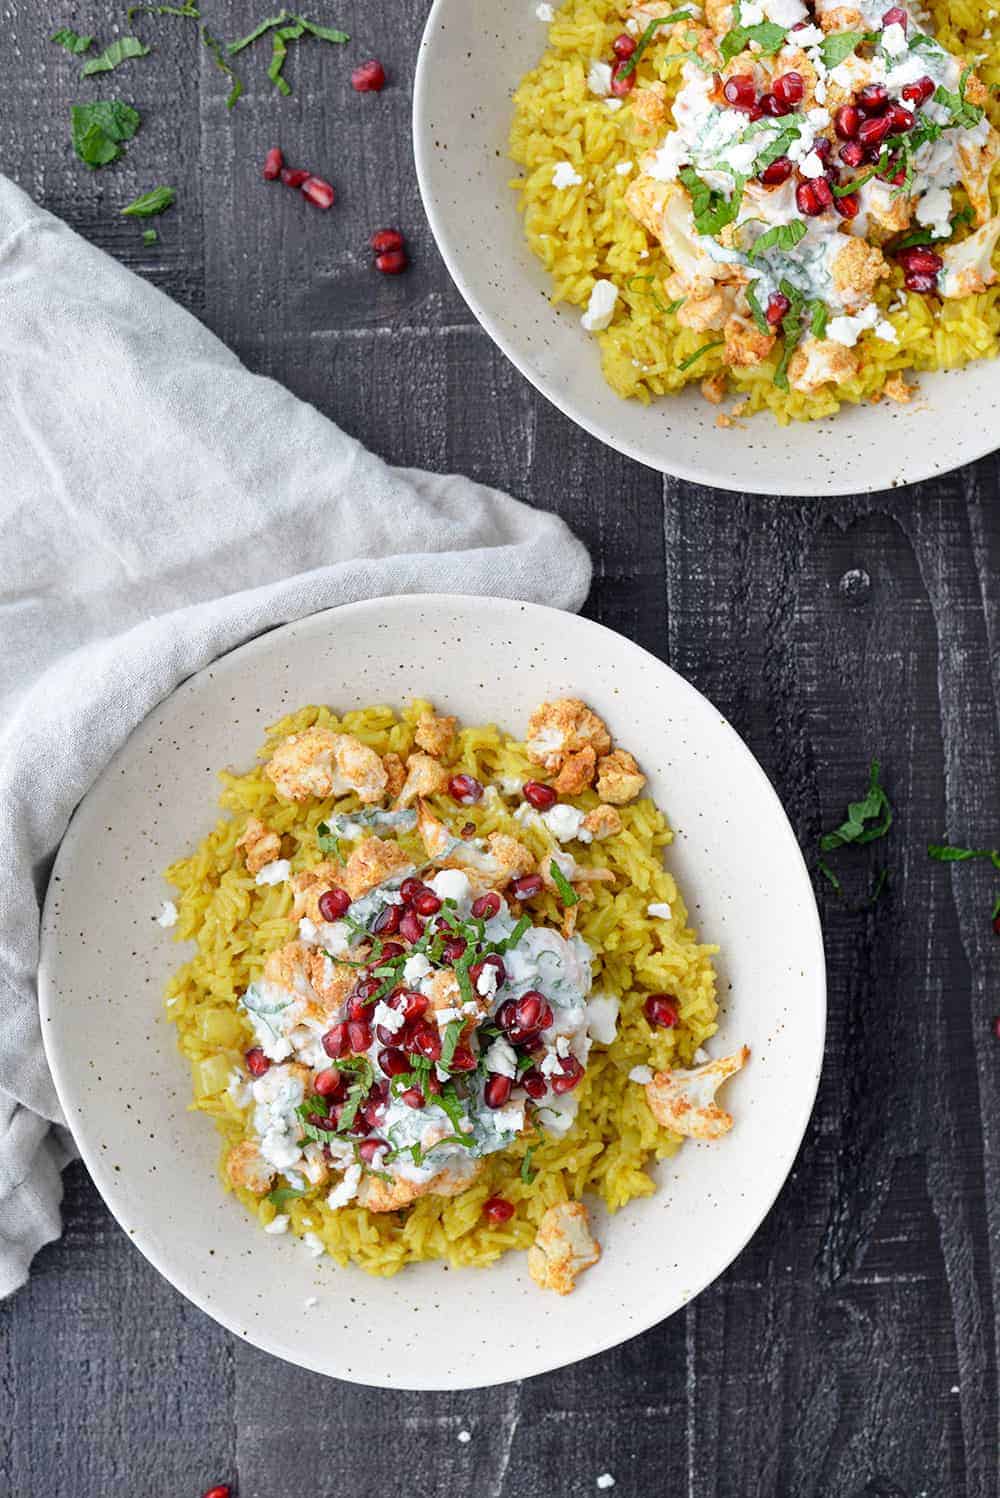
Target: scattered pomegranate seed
334,903
454,949
920,258
853,154
393,1061
623,46
368,77
427,903
335,1042
874,129
807,198
995,1024
739,91
413,1004
789,88
390,950
873,98
497,1090
410,888
777,306
392,263
386,239
465,789
541,797
411,927
486,907
532,1012
463,1059
917,280
900,119
478,968
223,1490
621,83
386,923
330,1083
534,1083
895,16
996,924
754,112
359,1035
273,162
318,192
570,1076
919,92
413,1098
529,885
773,106
369,1148
257,1062
425,1041
778,171
846,121
661,1009
824,192
498,1209
293,176
848,205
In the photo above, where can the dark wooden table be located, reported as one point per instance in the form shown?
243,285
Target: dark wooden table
852,1349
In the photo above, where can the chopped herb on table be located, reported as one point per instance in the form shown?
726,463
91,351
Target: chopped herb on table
867,821
149,236
100,128
72,41
285,27
114,55
148,204
949,853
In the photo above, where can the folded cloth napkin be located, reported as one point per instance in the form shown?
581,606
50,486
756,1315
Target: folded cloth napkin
159,505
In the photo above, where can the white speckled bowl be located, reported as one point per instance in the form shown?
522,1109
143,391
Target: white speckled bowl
125,1088
471,59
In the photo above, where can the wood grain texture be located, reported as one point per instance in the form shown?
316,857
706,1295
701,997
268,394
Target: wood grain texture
852,1349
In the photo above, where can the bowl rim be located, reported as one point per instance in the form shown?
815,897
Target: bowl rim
112,1185
671,467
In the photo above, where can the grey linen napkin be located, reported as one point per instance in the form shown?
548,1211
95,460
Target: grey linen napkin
159,505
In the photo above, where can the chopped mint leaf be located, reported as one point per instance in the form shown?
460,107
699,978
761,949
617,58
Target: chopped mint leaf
451,1036
768,35
835,48
630,65
71,40
149,236
114,55
282,1195
756,308
963,115
328,842
222,62
791,328
819,319
711,209
946,853
99,129
567,893
148,204
527,1174
867,819
780,236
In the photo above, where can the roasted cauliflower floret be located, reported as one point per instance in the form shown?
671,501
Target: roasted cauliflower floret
425,776
558,729
856,268
436,735
389,1196
372,862
707,306
886,213
260,845
619,778
602,822
512,858
818,362
896,389
319,763
745,343
650,109
578,771
838,17
310,884
287,967
395,775
331,981
685,1100
968,267
564,1247
976,163
247,1169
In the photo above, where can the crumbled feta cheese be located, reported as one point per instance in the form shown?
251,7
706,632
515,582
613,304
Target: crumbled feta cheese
564,175
550,1064
667,161
311,1300
934,211
308,932
894,40
605,1481
811,165
624,167
602,1017
168,915
451,884
315,1245
599,79
415,968
566,822
847,330
486,983
818,118
501,1058
347,1189
545,12
390,1019
275,872
751,14
445,1017
601,307
562,1046
278,1224
660,910
641,1074
613,104
809,36
508,1120
700,1056
886,331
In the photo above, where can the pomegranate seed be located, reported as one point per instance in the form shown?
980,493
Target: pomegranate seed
359,1035
413,1098
534,1083
487,906
853,154
895,16
318,192
293,177
661,1009
873,98
900,119
410,889
273,162
739,91
454,949
570,1076
497,1091
995,1025
426,1041
874,130
754,113
824,192
223,1490
386,239
807,199
463,1059
393,1061
849,205
388,921
789,88
478,968
465,789
542,797
920,258
368,77
623,46
330,1083
777,306
919,92
369,1148
358,1007
427,903
846,121
621,83
411,927
822,146
335,1042
497,1209
413,1004
334,903
915,280
390,950
533,1012
779,170
770,104
392,263
257,1062
996,924
372,1110
529,885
